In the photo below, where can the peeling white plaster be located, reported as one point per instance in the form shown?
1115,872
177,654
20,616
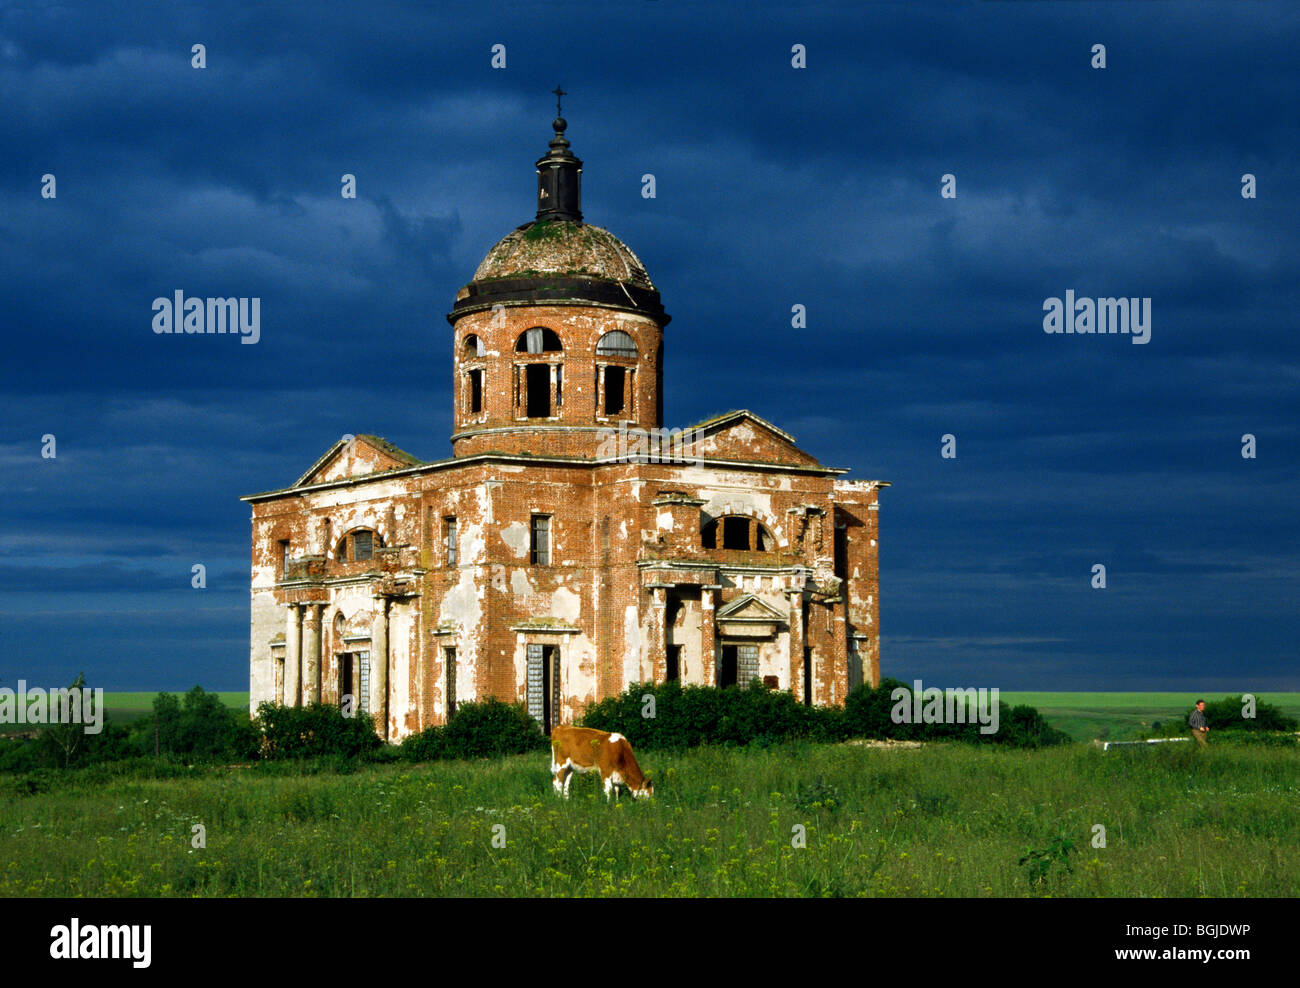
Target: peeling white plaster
515,535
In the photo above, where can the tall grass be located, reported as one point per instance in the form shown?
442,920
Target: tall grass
946,820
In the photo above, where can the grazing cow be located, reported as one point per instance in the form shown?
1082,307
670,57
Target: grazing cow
584,749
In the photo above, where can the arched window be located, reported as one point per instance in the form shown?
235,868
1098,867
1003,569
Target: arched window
615,381
472,347
357,546
538,340
539,385
616,343
737,532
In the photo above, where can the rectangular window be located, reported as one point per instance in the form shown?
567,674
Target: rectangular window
540,549
284,558
559,385
450,541
475,392
614,390
537,388
363,695
746,664
363,546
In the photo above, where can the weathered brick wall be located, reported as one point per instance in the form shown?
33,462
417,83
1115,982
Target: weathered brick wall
604,520
501,425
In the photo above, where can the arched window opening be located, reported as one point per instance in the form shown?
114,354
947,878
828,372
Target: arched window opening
616,343
357,546
473,347
538,340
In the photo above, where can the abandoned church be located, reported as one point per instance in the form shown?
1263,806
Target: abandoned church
542,562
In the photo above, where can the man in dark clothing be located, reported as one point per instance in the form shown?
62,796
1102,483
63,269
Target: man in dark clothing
1197,723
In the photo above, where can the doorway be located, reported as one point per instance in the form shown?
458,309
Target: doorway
727,667
347,668
544,685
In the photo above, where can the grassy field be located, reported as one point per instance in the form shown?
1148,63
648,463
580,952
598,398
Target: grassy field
946,820
1124,716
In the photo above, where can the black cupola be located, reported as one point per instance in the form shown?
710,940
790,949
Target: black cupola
559,175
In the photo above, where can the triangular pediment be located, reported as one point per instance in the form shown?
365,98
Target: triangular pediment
742,435
356,456
749,608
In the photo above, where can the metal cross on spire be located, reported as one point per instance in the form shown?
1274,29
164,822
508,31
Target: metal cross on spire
559,93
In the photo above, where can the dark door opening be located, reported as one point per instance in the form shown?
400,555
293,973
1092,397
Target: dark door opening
346,684
807,677
537,383
728,667
674,663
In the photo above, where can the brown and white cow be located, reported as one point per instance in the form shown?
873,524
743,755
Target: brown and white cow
585,749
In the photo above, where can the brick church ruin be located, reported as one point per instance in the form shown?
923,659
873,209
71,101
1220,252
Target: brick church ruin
570,545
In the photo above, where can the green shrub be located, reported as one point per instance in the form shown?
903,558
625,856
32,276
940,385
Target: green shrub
485,729
1225,715
199,727
686,716
1024,727
311,731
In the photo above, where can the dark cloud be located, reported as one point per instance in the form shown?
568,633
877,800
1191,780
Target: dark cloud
775,187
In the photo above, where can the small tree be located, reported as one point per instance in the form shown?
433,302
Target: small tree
66,743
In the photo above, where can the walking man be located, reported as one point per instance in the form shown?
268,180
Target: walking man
1196,721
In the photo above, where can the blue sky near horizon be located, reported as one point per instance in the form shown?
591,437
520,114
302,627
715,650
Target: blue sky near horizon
775,186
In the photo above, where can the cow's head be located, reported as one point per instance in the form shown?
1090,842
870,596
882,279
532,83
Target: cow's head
645,792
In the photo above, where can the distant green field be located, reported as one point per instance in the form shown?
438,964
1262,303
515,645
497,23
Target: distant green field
124,707
1123,716
1083,716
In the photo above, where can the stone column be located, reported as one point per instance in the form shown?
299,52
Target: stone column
708,638
379,667
311,653
292,657
658,650
797,643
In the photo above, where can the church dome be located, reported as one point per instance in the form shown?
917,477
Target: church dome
547,248
557,259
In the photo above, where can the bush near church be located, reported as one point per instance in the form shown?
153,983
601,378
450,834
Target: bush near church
314,730
486,729
686,716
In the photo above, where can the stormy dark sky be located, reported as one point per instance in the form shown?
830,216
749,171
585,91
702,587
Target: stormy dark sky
776,186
